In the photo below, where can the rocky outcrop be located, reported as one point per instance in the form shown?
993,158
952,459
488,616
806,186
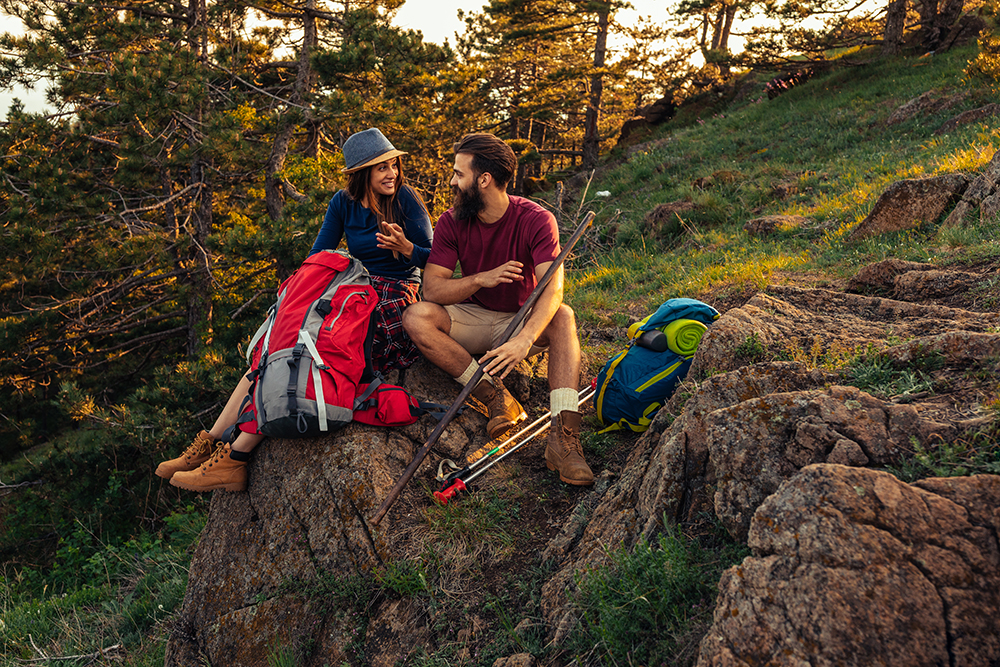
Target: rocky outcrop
276,565
735,431
880,277
907,204
269,559
913,281
792,321
853,567
757,444
968,117
930,102
982,193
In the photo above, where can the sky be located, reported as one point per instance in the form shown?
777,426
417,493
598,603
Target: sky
436,19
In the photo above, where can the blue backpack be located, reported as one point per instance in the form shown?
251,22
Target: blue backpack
637,381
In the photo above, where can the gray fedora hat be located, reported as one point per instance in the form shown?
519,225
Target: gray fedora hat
365,148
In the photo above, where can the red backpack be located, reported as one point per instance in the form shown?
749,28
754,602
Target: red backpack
311,359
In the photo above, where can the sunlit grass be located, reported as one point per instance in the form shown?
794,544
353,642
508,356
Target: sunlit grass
970,158
827,138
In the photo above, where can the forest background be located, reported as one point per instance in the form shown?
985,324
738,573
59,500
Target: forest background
183,166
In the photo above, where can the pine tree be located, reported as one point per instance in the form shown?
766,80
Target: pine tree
112,203
547,65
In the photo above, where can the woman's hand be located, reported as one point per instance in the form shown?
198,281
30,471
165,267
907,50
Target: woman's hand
392,238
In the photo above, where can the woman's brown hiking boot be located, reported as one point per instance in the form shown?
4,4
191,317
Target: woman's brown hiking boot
219,472
503,409
564,452
198,452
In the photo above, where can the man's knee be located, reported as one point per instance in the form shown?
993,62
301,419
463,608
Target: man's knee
564,319
423,316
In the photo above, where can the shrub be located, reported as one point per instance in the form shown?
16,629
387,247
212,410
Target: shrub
651,605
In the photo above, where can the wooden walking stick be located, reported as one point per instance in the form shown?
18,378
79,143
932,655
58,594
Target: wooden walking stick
467,389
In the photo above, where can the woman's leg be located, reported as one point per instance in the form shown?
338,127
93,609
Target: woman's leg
245,442
231,412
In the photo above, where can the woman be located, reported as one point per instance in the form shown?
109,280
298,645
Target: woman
393,252
387,227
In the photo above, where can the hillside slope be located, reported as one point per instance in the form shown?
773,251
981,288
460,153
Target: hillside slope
864,366
810,392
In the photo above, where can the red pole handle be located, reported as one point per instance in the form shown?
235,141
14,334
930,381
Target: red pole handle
444,496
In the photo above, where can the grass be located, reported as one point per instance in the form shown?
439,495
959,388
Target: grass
976,453
651,605
121,612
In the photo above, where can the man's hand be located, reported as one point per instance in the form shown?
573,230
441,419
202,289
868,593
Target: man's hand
505,273
507,356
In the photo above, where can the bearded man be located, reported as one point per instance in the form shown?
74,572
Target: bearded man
504,244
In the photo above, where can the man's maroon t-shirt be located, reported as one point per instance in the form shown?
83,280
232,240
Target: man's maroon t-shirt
526,233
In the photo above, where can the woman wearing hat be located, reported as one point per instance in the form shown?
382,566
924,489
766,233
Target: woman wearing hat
386,226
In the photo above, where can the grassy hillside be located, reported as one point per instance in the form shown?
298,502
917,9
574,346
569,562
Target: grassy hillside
826,141
823,150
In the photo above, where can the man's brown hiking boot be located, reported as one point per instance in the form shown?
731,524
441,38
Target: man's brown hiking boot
503,409
197,453
564,453
219,472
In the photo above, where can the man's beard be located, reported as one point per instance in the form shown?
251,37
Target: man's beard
467,204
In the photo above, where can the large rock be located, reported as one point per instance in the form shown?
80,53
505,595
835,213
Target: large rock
668,475
880,277
934,284
268,558
914,282
853,567
930,102
910,203
794,321
757,444
967,117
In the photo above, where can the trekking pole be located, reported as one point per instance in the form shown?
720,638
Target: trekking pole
467,389
478,462
448,492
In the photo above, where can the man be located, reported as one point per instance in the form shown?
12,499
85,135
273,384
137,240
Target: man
504,245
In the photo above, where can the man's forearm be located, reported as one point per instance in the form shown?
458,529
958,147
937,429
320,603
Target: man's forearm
443,289
544,310
448,291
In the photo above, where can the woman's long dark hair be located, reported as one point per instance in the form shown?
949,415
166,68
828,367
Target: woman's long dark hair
384,207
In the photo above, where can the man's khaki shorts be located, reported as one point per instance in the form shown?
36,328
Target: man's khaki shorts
478,330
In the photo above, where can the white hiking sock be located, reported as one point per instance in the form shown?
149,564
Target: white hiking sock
564,398
467,374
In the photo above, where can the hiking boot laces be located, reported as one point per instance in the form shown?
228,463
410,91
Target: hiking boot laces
200,447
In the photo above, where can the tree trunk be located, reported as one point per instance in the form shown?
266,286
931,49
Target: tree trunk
199,307
727,28
936,21
591,133
274,193
717,27
895,17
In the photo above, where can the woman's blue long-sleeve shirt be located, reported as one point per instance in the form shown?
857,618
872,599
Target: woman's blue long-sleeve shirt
348,218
